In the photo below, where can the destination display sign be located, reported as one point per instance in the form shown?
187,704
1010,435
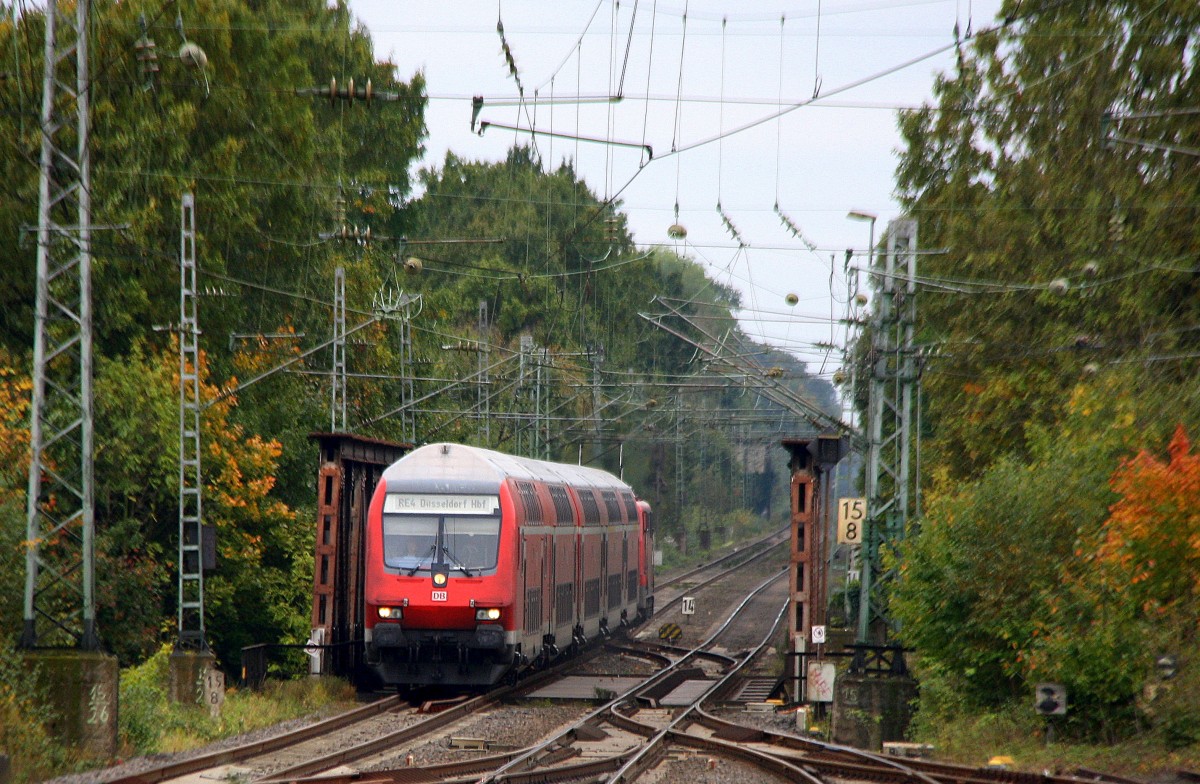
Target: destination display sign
421,503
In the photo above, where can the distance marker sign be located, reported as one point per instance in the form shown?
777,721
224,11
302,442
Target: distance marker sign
852,513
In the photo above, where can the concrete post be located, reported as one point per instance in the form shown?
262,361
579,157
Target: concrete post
869,710
83,687
185,670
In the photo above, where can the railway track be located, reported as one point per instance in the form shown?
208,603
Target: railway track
384,724
723,564
661,728
602,742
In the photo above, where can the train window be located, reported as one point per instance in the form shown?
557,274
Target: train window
611,506
471,542
562,505
630,507
409,540
591,511
531,502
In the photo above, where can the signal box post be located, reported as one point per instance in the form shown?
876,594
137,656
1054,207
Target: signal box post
810,461
350,468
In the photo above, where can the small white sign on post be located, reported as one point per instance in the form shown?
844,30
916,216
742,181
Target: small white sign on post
852,513
820,681
818,635
315,654
689,605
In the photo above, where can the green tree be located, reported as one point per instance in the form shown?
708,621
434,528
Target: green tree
1056,167
1003,588
275,175
263,575
1064,246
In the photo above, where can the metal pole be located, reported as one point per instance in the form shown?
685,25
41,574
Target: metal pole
60,507
484,404
874,426
889,452
190,618
337,408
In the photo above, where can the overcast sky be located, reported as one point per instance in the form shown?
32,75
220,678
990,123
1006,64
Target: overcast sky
688,84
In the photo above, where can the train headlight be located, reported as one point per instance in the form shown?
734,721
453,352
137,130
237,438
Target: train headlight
440,575
488,614
391,613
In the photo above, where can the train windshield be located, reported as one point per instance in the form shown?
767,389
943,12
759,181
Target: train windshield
468,544
409,541
471,542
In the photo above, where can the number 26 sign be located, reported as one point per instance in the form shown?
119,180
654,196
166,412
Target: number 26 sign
852,514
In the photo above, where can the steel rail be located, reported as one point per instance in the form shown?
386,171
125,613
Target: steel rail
532,754
259,748
435,722
256,748
767,543
837,758
642,759
529,765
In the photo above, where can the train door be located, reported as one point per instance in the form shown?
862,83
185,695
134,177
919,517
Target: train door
630,585
605,588
546,621
554,599
645,557
533,579
564,586
581,537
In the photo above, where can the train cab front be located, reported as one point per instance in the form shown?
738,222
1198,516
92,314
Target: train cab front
437,612
446,641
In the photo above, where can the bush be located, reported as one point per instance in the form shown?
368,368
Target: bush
144,703
24,721
151,724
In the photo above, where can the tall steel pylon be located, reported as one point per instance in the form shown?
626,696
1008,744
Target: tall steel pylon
530,437
191,520
412,307
60,603
395,305
889,421
337,408
484,383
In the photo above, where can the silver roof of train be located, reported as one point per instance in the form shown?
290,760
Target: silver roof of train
457,468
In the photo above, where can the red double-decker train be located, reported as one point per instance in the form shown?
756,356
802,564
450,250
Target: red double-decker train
480,563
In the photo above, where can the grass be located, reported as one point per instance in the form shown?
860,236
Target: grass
150,723
975,739
188,727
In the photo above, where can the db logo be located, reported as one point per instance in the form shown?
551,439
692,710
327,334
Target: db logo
439,596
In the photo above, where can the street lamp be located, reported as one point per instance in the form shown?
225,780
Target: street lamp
870,217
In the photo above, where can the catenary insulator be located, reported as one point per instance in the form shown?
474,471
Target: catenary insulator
192,56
